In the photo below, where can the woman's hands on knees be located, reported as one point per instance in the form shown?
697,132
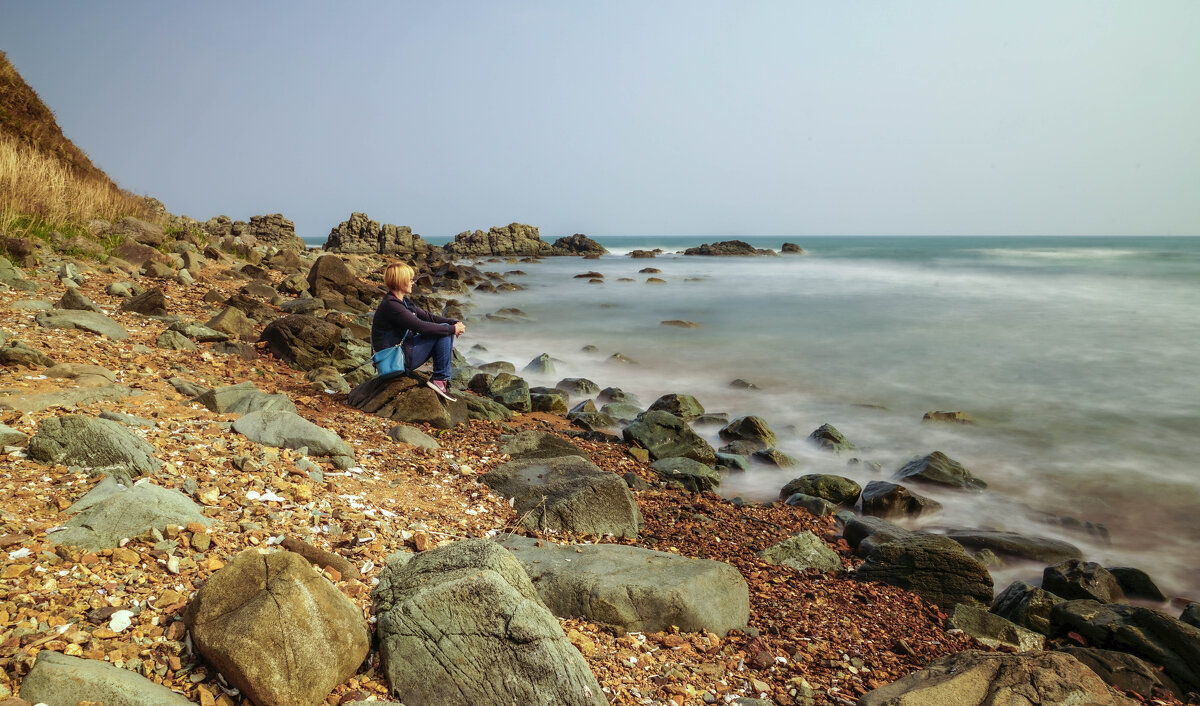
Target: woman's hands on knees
459,328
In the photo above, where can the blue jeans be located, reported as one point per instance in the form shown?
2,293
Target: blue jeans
420,347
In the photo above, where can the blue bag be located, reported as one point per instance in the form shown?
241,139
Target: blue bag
390,360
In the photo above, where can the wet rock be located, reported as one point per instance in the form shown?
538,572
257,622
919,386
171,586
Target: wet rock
1142,632
740,384
947,418
665,435
939,469
792,249
616,395
682,406
551,401
593,421
1075,579
567,494
864,533
1191,614
114,512
579,244
936,568
243,398
623,413
507,647
774,457
276,629
727,248
1124,671
57,678
836,489
1136,583
817,507
541,365
405,398
1018,546
829,438
887,500
578,387
994,631
749,428
803,551
637,590
975,678
83,320
692,475
96,444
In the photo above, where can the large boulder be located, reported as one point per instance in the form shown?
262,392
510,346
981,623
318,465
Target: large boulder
98,444
883,499
637,590
112,512
579,244
243,398
939,469
829,438
974,678
1124,671
1150,634
462,625
934,567
727,248
513,239
306,343
138,255
89,321
278,630
1026,605
682,406
863,534
331,281
1076,579
138,231
406,398
362,235
803,551
505,388
1017,546
291,431
836,489
566,494
665,435
61,680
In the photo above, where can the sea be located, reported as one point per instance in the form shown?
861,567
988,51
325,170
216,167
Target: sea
1077,358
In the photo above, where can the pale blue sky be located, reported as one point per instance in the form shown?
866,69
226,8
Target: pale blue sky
608,118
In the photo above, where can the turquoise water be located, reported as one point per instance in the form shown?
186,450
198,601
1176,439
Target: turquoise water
1078,357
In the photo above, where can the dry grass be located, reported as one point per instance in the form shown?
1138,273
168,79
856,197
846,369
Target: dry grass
33,183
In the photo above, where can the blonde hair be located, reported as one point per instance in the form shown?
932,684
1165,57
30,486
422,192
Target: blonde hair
396,275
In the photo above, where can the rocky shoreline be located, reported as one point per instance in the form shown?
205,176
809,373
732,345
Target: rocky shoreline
206,483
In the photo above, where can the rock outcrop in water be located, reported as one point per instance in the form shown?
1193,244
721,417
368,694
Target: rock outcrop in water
728,248
512,239
362,235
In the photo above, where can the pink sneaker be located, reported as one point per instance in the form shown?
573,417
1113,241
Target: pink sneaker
443,389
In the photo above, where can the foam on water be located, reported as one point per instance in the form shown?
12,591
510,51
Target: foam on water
1084,380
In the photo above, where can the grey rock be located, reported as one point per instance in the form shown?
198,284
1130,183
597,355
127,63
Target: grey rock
243,398
692,475
331,281
637,590
1075,579
683,406
939,469
15,352
578,387
74,299
750,428
405,398
528,445
1124,671
567,494
198,332
616,395
233,323
513,239
305,342
836,489
817,507
360,234
128,420
1026,605
11,437
803,551
484,408
11,276
505,388
98,444
884,499
66,398
276,629
1019,546
936,568
541,365
552,402
584,407
187,388
89,321
665,435
1143,632
992,630
774,457
829,438
506,646
174,341
622,412
60,680
406,434
31,305
115,513
83,374
291,431
865,533
974,678
152,302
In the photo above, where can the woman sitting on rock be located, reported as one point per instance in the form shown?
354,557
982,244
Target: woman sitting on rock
428,335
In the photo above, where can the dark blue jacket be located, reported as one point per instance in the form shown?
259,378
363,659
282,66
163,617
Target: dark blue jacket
394,316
